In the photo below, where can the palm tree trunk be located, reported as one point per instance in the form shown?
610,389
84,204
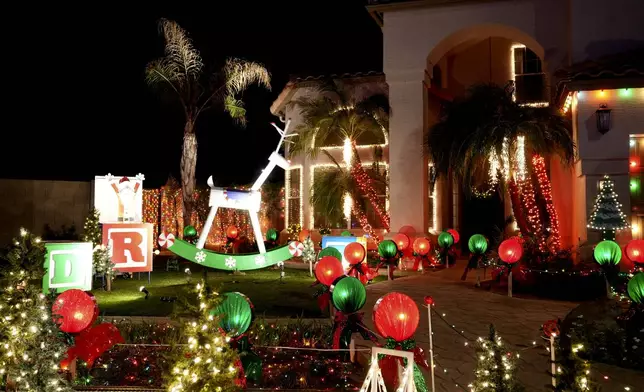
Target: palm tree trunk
364,182
515,201
533,217
539,165
188,167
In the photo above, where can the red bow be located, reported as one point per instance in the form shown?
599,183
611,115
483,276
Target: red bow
342,321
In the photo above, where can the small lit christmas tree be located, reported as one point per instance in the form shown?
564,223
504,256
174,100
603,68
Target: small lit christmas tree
103,265
573,373
607,215
208,363
92,229
495,368
32,344
308,254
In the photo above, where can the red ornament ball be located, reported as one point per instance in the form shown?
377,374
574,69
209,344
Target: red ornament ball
429,300
304,234
635,251
396,316
74,310
421,246
402,241
455,235
328,269
354,253
232,232
408,231
510,251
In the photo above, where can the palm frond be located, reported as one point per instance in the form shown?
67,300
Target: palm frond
239,76
181,59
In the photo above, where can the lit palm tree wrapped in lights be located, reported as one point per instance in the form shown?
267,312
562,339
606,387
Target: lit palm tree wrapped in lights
181,74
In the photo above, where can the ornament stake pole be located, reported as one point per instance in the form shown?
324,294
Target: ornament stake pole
510,283
609,291
431,346
352,350
553,367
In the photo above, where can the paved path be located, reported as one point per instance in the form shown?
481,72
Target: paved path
517,321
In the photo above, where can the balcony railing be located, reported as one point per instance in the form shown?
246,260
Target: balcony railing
531,88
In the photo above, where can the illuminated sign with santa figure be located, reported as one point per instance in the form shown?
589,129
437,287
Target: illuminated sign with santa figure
119,198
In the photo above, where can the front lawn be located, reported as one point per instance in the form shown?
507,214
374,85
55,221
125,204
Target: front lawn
293,297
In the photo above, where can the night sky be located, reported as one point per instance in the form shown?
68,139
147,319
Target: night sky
76,103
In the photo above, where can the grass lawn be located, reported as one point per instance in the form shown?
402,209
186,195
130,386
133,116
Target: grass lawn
292,298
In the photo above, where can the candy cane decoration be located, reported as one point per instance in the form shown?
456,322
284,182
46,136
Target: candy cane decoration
296,248
166,240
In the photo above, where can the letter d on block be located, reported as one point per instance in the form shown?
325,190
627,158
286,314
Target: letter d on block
68,266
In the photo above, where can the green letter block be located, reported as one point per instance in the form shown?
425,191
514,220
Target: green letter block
68,265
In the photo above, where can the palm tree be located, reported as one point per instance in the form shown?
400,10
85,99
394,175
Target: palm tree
484,128
332,115
181,73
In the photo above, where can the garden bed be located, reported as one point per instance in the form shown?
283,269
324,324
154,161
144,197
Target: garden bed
289,354
561,286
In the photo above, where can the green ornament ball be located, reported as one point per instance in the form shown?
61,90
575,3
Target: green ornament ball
607,253
189,231
445,240
477,244
387,249
635,288
346,233
271,235
235,313
349,295
329,251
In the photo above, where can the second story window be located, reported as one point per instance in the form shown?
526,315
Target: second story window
530,80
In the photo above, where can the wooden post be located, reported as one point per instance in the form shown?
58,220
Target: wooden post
72,370
108,283
352,350
510,283
553,367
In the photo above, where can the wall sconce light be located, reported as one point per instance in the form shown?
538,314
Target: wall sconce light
603,118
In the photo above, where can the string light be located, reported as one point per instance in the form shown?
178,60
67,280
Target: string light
539,167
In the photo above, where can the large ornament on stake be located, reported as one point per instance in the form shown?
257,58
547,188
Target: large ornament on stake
608,255
95,341
421,247
304,234
510,252
349,296
272,235
232,232
74,310
328,269
454,235
235,314
330,251
388,252
445,240
635,251
402,242
355,254
396,318
635,288
478,246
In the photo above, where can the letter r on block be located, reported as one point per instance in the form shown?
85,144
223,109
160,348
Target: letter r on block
127,241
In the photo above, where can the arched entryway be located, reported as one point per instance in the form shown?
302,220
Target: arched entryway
486,53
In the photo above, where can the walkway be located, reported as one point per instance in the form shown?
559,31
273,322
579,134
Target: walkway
517,321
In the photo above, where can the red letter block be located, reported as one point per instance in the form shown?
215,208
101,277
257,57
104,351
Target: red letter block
131,245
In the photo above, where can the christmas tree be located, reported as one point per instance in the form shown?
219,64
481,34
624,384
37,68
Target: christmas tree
308,254
207,363
33,346
572,373
103,265
495,368
607,215
92,230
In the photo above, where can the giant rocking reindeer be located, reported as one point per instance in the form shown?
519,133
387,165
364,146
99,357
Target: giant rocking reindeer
245,200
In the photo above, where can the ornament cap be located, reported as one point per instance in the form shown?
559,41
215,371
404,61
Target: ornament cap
429,300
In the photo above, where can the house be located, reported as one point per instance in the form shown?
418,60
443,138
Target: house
435,49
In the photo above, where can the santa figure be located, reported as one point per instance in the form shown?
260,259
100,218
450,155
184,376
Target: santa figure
126,192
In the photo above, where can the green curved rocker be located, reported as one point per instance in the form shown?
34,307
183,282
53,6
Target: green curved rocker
227,261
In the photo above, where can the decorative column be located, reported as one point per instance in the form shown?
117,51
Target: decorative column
408,166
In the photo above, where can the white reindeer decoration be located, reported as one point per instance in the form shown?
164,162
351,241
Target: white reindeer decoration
245,200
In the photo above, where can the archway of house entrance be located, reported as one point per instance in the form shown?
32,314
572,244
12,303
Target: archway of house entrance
480,54
414,40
